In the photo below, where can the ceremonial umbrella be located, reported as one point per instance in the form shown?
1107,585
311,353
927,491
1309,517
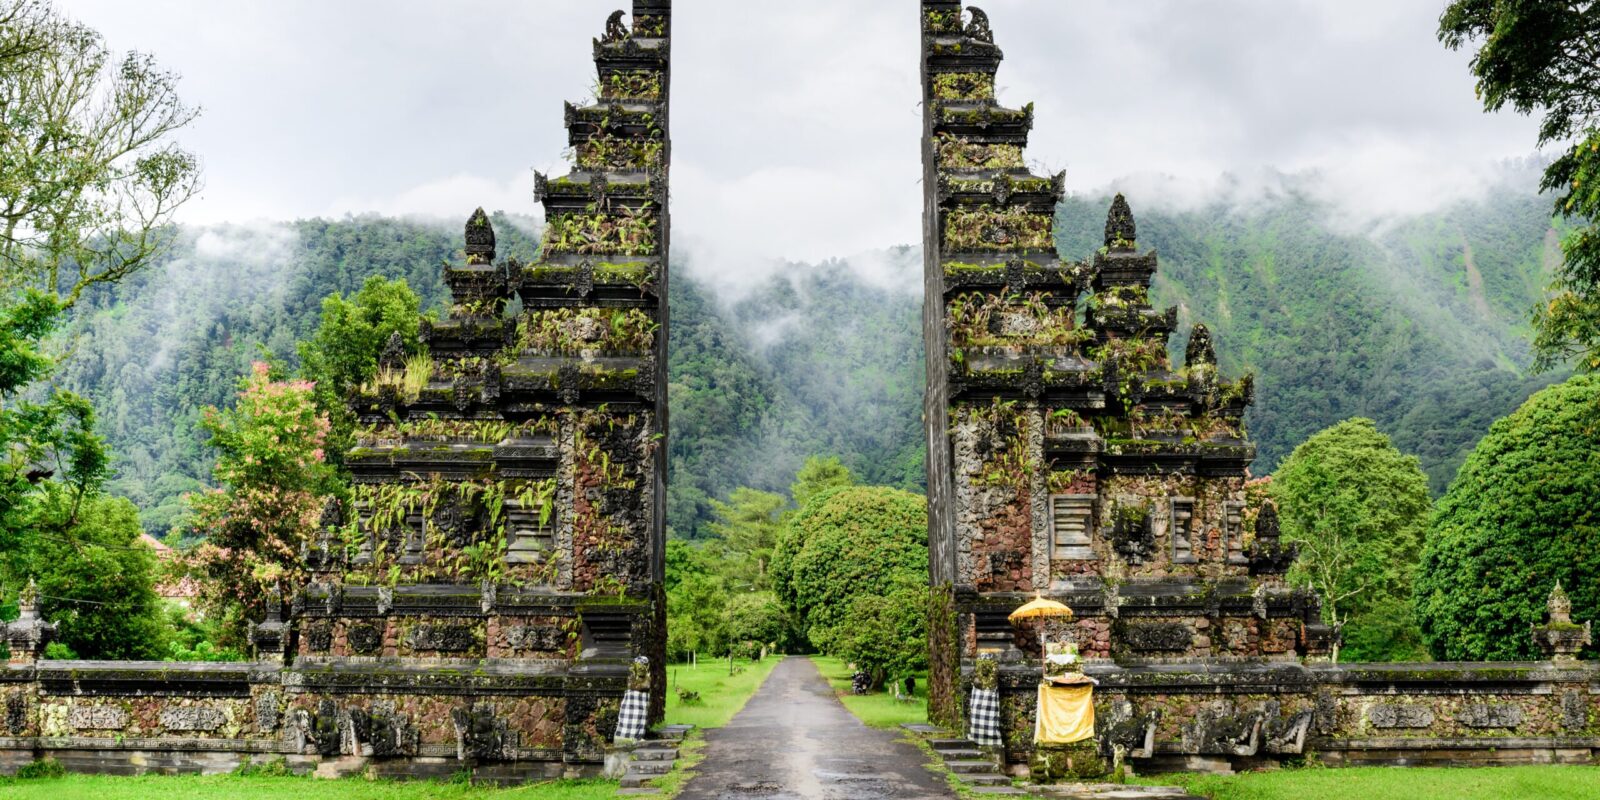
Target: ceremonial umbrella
1040,607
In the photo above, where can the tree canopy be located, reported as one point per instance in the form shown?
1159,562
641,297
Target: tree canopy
1543,56
1523,513
1358,508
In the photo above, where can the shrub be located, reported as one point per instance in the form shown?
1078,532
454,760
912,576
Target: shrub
1522,514
46,767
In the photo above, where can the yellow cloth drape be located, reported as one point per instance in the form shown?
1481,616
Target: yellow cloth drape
1065,714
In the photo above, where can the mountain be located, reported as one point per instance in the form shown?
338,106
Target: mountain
1419,324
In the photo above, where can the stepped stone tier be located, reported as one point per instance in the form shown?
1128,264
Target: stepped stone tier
1070,456
479,602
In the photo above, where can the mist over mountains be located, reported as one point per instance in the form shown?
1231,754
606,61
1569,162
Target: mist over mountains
1419,324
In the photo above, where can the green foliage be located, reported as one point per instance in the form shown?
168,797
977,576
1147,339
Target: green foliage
747,528
1388,783
756,620
1429,337
46,767
819,474
622,232
696,601
887,635
96,579
273,787
343,351
848,543
1544,56
1358,508
270,459
1523,514
963,86
90,175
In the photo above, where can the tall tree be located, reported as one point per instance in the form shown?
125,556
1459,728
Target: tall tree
1544,56
89,174
1358,508
57,527
747,529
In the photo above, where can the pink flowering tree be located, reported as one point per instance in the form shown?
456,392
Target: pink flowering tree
272,478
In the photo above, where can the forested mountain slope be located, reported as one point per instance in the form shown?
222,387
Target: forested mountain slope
1420,326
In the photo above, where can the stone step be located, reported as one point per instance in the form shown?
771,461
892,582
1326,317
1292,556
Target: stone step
637,790
971,766
984,778
961,755
655,753
673,733
953,744
635,780
922,728
650,767
1007,789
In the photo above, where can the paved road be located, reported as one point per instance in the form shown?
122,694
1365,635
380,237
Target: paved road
794,741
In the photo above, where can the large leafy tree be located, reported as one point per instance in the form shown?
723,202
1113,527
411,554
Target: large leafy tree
1544,56
848,543
90,176
1358,508
57,527
1523,513
273,479
343,352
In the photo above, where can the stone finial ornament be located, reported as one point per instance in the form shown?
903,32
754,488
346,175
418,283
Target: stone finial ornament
271,635
28,634
1121,233
615,30
1200,352
480,238
1560,638
393,355
978,27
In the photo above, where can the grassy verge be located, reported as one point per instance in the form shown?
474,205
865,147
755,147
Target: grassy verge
721,694
1396,783
194,787
880,710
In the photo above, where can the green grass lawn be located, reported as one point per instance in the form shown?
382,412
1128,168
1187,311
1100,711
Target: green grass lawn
721,694
880,710
192,787
1397,783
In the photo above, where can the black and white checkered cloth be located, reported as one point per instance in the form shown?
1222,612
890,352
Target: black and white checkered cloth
635,713
983,718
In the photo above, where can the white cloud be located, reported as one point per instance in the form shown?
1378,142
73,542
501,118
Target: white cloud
796,126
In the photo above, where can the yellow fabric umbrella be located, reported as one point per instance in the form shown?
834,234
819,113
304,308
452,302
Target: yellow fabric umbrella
1040,607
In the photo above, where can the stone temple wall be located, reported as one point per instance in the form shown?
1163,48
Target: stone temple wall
480,600
1070,457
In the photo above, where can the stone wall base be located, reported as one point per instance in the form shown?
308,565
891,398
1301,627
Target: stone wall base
179,762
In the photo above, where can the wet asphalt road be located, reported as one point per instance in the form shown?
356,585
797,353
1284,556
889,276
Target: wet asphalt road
794,741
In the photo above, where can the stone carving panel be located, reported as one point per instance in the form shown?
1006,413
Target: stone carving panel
1393,715
442,638
364,640
97,718
192,719
1490,715
1154,637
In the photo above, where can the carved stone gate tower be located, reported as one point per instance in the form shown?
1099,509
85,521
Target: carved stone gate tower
1066,455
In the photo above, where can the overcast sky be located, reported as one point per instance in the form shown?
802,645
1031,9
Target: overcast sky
795,125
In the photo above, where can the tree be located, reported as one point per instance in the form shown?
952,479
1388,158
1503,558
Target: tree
91,176
1544,55
1523,514
747,529
696,601
818,475
274,479
343,352
57,527
887,635
1358,508
756,620
96,579
847,543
